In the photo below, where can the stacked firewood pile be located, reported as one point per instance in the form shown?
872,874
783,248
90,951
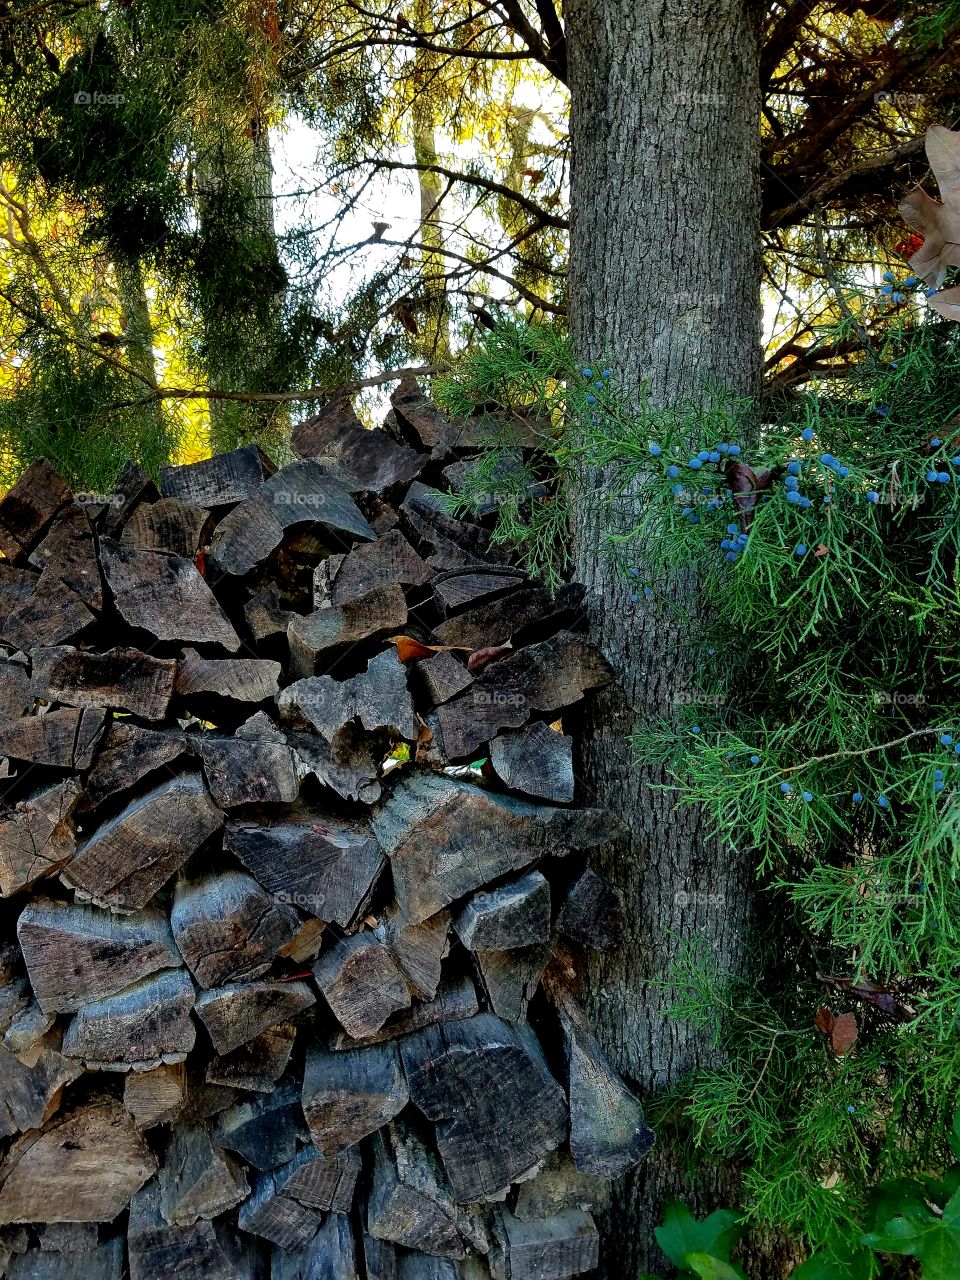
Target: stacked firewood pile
291,878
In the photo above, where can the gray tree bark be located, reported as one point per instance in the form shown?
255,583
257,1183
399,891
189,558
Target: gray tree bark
664,287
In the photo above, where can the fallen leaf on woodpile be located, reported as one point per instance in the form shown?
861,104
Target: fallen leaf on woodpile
409,649
481,658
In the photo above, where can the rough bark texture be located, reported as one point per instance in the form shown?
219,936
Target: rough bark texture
664,287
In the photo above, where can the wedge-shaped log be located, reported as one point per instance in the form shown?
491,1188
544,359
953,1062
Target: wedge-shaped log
592,912
27,1029
515,914
227,928
446,838
122,679
558,1186
129,753
249,771
608,1132
67,1237
378,462
28,507
332,1254
264,1130
15,697
535,760
460,589
319,1183
390,559
155,1096
443,676
474,1079
37,836
316,861
130,857
265,614
362,983
528,609
410,1201
419,950
65,738
378,698
142,1026
456,998
75,954
80,1167
286,1222
30,1087
106,1263
257,1065
237,1013
542,677
511,978
133,487
39,611
378,612
166,596
349,1095
158,1250
219,481
70,553
198,1180
240,679
167,525
556,1248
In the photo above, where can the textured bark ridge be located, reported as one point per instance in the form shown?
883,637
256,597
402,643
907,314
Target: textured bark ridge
287,886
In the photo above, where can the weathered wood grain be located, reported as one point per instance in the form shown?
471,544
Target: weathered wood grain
389,560
39,611
28,507
31,1087
227,928
349,1095
82,1166
218,481
322,1184
127,754
511,979
456,998
155,1096
158,1250
65,738
378,462
443,676
592,912
252,771
239,679
556,1248
197,1180
265,1130
558,1186
362,983
121,679
126,861
535,760
410,1201
311,638
69,553
239,1012
141,1026
515,914
38,836
419,950
76,953
257,1064
285,1222
169,525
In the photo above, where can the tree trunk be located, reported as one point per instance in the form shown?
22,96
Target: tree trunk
665,287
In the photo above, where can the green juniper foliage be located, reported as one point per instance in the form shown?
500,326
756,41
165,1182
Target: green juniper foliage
827,743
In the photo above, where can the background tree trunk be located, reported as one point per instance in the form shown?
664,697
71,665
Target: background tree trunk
665,287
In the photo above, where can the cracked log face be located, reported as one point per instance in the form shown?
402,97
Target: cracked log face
289,833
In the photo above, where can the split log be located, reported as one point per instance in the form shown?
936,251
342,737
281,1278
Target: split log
455,999
130,857
239,679
128,754
121,679
511,979
14,999
543,677
410,1201
473,1079
388,561
535,760
139,1027
285,1222
315,861
378,612
81,1167
333,1253
380,1258
166,596
37,837
39,611
28,507
556,1248
420,1266
349,1095
265,615
169,525
105,1263
559,1186
197,1180
158,1250
443,676
378,462
75,954
305,943
608,1132
156,1096
419,950
237,1013
253,771
69,553
65,738
318,1183
31,1088
592,912
264,1130
218,481
446,838
516,914
133,487
460,589
67,1237
350,769
256,1065
15,696
227,928
27,1029
362,983
445,543
529,610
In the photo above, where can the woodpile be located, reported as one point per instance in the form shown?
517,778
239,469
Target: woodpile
292,872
